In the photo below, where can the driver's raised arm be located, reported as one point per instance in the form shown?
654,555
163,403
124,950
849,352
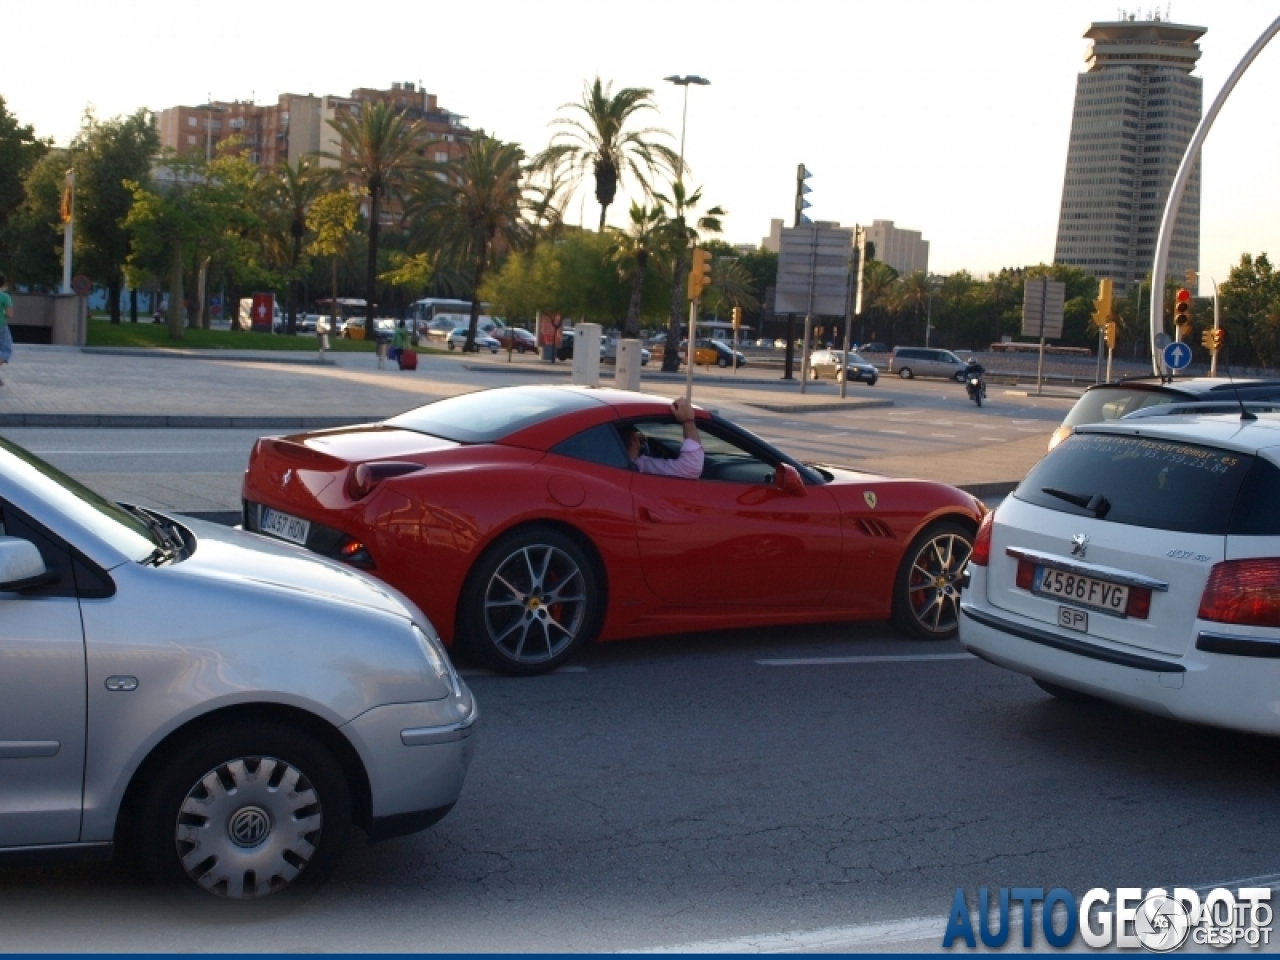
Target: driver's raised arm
688,465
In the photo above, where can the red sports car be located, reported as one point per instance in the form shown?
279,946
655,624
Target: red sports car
515,519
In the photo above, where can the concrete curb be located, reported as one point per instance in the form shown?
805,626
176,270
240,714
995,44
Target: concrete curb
820,407
226,355
142,421
719,380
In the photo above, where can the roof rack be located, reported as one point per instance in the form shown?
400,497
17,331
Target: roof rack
1192,407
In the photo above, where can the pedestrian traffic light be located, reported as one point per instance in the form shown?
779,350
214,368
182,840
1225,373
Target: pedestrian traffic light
737,318
1182,311
1110,330
699,273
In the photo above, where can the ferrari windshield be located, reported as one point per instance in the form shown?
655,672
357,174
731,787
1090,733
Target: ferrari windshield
487,416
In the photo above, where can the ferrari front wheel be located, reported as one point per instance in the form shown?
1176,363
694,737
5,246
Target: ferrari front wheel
531,601
926,597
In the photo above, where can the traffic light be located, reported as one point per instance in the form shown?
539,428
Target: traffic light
1182,312
699,273
1102,306
1206,340
1219,339
1110,330
737,318
802,174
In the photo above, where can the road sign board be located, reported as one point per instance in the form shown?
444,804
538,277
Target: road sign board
81,285
1042,303
813,270
1176,356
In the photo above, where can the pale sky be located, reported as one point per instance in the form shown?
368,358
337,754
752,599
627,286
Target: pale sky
949,118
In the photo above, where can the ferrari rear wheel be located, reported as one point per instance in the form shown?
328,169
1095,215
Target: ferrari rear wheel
532,600
926,599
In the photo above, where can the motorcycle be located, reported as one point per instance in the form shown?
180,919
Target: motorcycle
974,383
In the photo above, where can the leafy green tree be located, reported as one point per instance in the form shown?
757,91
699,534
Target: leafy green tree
475,212
107,155
34,231
381,156
878,279
731,286
164,224
598,137
292,189
648,235
332,220
1250,304
686,230
20,150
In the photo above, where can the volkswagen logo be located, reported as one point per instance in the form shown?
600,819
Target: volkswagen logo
1079,544
249,826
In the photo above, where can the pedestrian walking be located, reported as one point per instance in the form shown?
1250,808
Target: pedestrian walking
6,315
399,341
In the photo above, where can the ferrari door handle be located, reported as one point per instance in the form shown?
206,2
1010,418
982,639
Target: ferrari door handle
648,516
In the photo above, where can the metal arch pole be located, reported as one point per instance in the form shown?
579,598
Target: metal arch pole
1160,267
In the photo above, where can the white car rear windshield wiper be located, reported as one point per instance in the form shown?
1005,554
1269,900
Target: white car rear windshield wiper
1095,503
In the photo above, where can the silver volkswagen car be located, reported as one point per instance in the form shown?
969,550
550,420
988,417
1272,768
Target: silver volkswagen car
225,705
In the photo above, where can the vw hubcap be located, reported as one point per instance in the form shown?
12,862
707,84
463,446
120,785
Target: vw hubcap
933,587
535,604
248,827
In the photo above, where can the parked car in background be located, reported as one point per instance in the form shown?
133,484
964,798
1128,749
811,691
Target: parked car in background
908,362
457,339
229,703
1139,562
518,339
483,490
833,364
1113,401
873,347
565,350
712,353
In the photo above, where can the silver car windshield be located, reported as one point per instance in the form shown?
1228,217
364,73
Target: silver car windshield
74,500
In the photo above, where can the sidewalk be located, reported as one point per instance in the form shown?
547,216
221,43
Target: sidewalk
64,386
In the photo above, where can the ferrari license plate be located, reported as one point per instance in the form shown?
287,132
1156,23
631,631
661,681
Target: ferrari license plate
284,526
1087,591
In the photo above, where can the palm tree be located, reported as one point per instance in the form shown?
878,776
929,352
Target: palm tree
731,285
291,191
596,138
381,153
685,230
878,279
649,234
912,294
475,212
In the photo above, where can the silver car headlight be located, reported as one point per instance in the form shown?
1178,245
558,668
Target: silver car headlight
439,660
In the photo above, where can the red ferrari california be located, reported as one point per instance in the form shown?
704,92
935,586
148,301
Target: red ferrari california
517,521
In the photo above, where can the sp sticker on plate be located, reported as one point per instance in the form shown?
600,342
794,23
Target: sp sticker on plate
1073,619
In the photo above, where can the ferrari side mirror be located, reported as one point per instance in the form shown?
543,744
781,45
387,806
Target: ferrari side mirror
787,480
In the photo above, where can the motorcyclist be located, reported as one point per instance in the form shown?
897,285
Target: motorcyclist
974,383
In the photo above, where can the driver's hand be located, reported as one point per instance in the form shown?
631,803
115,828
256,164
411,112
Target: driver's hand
681,410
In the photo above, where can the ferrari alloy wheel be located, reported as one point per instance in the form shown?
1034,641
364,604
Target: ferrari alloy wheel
532,600
927,591
245,812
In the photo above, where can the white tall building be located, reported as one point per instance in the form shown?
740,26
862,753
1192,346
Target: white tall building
1136,109
904,250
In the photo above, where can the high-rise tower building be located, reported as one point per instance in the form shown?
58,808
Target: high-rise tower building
1136,109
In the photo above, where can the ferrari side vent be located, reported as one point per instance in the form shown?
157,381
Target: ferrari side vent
875,528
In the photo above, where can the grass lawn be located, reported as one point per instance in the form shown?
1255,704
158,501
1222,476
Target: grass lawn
102,333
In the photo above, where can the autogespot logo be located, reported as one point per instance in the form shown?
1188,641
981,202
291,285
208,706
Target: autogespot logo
1127,918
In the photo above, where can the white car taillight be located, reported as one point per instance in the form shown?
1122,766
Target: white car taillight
1243,592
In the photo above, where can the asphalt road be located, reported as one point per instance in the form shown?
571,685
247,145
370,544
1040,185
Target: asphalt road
786,786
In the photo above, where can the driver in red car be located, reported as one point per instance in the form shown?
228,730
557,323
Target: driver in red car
687,466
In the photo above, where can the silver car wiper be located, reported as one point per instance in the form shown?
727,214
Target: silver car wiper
1095,503
168,546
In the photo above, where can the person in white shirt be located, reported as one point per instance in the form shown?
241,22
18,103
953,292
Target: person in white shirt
688,465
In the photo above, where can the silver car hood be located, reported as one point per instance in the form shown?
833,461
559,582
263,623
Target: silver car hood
226,554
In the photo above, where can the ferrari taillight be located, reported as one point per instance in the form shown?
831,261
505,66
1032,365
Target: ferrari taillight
1243,592
365,476
981,555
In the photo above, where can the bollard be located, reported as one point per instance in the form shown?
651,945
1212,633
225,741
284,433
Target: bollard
586,355
627,375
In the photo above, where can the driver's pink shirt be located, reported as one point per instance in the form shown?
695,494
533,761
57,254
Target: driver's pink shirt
687,466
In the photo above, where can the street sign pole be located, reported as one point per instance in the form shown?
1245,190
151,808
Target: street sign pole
1217,325
691,353
848,313
808,315
1044,302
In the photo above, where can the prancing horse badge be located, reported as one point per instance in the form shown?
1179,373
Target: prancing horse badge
870,497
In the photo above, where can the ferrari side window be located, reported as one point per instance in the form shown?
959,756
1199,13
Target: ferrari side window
595,445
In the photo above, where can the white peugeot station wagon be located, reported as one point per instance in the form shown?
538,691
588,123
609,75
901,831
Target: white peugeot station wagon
1139,562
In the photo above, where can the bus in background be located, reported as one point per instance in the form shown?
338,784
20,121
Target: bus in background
435,318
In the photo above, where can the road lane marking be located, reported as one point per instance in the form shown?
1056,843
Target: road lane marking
949,436
996,439
900,433
829,661
839,939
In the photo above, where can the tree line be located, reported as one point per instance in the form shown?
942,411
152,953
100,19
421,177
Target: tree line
380,220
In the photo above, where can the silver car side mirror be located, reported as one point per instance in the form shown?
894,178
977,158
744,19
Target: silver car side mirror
21,566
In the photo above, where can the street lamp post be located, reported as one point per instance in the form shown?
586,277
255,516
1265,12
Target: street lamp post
685,81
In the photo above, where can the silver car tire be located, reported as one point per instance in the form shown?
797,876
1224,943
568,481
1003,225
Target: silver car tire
926,593
245,812
905,373
451,346
532,599
813,373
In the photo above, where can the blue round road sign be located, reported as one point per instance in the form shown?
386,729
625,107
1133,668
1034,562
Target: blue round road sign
1177,356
